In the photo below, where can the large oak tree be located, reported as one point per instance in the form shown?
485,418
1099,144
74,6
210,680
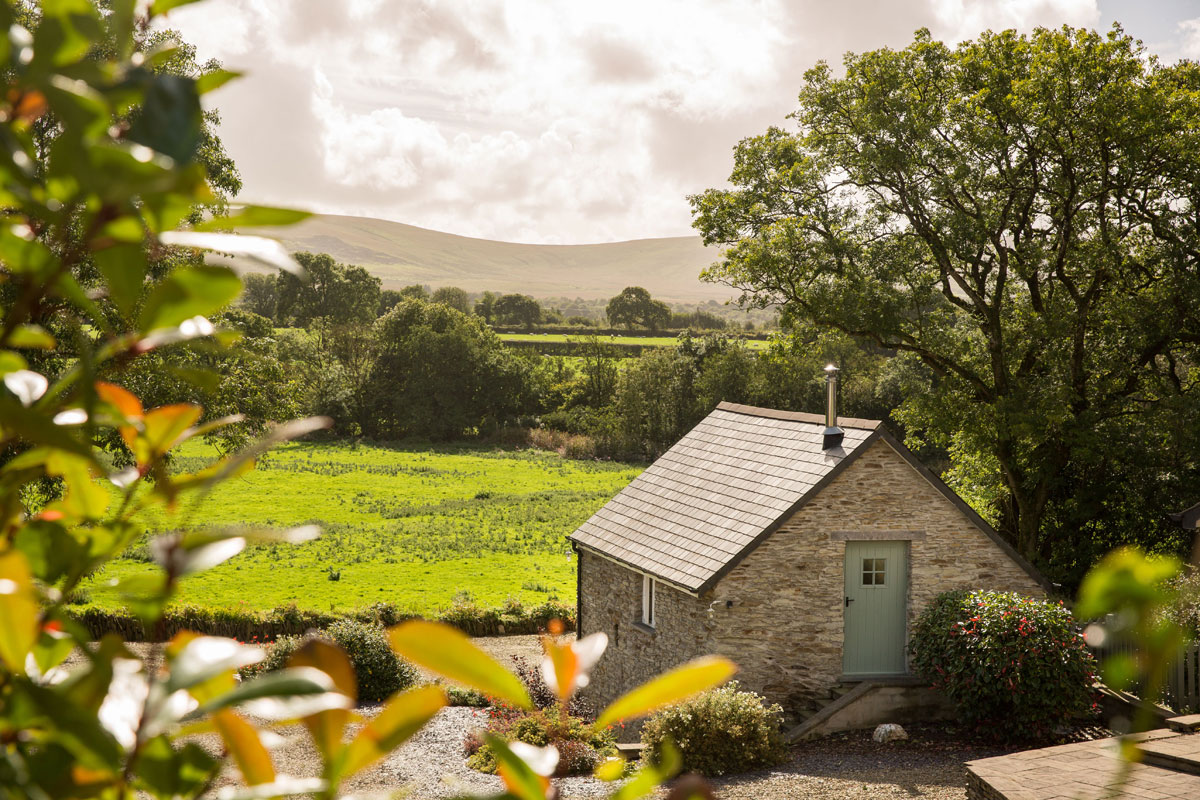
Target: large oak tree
1019,214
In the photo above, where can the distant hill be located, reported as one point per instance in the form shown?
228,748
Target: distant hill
403,254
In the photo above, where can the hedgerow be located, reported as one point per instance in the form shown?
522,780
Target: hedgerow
1017,668
263,626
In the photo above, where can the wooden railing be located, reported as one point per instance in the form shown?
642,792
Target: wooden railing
1181,692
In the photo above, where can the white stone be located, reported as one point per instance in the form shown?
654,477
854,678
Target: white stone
889,732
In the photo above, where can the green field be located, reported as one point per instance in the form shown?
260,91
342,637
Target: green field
409,525
644,341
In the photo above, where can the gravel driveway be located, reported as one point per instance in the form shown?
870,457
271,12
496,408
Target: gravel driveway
840,767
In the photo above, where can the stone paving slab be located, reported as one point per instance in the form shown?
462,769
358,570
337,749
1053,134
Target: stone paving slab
1089,771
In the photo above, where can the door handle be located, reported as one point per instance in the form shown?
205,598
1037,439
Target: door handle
849,600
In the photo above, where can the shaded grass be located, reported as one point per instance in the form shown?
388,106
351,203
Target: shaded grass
411,525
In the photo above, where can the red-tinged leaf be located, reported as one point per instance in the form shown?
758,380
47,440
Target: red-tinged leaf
122,399
162,428
19,625
327,727
519,778
449,652
405,714
243,743
566,667
669,688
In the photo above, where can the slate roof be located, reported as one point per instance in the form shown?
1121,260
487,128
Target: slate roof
728,482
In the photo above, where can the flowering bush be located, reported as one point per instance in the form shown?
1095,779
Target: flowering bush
1015,666
721,732
580,746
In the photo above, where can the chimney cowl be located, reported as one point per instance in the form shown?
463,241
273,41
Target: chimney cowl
833,434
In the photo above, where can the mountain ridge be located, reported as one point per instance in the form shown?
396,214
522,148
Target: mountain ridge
401,254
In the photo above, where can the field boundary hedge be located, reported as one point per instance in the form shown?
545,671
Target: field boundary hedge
569,330
253,625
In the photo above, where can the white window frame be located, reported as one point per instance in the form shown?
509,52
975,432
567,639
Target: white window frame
648,601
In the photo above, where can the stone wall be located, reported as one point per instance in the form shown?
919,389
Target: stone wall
784,624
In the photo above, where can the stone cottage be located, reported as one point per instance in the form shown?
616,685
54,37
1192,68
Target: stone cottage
801,547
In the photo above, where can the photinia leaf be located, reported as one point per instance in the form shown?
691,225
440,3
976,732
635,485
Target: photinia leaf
326,727
404,715
449,652
670,687
18,611
302,683
204,657
163,426
258,248
187,293
124,269
31,336
519,777
243,743
254,217
214,79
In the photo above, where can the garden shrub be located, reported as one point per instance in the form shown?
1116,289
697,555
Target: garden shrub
721,732
470,698
543,697
378,671
1014,666
580,746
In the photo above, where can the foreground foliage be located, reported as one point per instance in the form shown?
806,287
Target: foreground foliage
1016,667
724,731
100,167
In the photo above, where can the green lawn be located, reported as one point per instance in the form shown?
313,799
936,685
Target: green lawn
410,525
645,341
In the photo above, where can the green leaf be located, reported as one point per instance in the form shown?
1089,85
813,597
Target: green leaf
450,653
651,776
11,362
124,269
669,688
33,337
404,715
189,292
49,549
18,611
175,773
163,6
214,80
270,694
265,251
205,657
254,217
170,119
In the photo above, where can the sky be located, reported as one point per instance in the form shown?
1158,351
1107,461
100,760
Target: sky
554,121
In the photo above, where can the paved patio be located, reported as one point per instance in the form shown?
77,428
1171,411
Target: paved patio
1169,770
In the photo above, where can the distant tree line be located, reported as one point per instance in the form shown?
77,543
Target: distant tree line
350,293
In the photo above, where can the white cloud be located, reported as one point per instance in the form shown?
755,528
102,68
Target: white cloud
533,120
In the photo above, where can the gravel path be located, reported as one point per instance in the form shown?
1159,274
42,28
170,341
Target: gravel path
840,767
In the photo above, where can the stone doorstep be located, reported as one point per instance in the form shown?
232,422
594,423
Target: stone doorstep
1185,724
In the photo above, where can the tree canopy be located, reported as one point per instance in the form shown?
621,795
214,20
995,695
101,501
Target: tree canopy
1018,214
635,306
329,289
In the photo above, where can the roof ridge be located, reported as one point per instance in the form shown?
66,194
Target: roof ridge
797,416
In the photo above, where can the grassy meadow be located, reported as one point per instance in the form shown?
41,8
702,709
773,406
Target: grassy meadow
412,525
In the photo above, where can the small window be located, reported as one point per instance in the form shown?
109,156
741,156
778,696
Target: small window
874,572
648,601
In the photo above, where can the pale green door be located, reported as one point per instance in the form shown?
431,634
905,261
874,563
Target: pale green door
875,608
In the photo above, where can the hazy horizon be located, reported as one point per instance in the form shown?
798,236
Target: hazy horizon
540,123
